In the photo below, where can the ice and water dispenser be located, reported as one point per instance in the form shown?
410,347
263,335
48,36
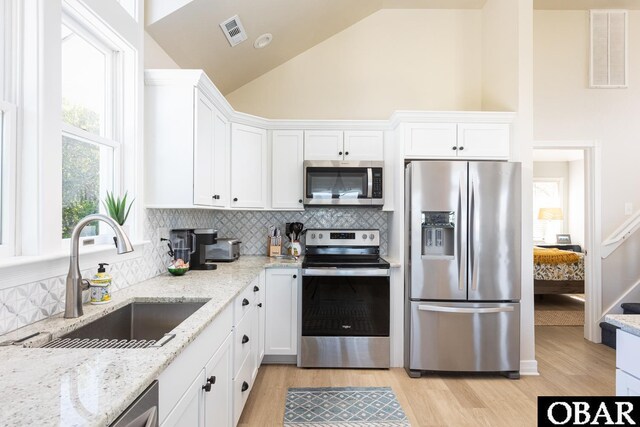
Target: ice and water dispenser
438,233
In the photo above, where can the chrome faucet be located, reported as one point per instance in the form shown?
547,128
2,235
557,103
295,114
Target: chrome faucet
75,284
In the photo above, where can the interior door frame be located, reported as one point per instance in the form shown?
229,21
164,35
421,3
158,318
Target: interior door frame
593,228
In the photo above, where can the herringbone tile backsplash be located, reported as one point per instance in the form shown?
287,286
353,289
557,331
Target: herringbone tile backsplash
27,303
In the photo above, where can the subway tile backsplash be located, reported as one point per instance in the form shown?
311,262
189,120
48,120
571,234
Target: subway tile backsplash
30,302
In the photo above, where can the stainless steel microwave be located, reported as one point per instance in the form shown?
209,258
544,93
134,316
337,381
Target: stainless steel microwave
349,183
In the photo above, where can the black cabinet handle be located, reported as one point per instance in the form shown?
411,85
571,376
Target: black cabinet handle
346,153
235,199
245,386
256,289
454,148
216,197
295,276
300,201
245,339
340,153
461,148
207,387
212,379
245,302
260,305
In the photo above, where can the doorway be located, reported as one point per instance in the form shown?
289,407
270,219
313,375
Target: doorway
565,233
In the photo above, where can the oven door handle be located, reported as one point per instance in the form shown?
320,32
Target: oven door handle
334,271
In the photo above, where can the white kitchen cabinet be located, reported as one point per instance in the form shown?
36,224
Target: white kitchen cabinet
287,156
261,317
186,142
364,145
217,401
323,145
627,364
626,384
248,167
221,154
483,140
281,304
189,411
339,145
464,141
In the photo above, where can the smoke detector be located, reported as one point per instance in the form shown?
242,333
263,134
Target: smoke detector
263,41
233,30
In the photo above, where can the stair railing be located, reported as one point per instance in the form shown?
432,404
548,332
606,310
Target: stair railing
620,235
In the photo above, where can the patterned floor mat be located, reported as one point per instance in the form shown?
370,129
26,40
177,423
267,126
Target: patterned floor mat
343,407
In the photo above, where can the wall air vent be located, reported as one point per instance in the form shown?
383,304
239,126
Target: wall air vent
609,50
233,30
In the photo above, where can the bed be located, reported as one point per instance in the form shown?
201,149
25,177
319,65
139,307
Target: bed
558,270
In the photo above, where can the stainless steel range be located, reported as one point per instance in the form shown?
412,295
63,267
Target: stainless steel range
344,303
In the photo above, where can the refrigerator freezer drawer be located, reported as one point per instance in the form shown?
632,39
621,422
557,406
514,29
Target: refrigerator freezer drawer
464,337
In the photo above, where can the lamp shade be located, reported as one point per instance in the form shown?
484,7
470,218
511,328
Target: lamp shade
550,213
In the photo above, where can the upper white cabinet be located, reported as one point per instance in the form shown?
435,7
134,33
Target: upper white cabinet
286,165
339,145
457,140
186,143
248,167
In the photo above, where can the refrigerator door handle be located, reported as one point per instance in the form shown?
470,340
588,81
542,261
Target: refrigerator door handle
461,278
472,254
464,310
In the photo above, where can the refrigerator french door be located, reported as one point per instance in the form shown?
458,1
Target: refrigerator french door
463,266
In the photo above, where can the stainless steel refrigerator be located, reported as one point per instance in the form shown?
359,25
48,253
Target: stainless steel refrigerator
463,234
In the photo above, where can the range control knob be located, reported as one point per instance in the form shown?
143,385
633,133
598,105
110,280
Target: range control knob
320,236
313,235
372,236
364,236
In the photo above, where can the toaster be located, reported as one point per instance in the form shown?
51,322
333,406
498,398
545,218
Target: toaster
224,250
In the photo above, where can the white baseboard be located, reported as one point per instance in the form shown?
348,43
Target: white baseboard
529,367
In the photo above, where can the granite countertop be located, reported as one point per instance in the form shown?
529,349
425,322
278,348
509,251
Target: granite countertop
627,322
91,387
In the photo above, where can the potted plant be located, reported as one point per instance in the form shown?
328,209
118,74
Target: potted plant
117,208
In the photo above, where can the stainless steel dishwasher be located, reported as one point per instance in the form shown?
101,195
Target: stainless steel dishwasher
143,412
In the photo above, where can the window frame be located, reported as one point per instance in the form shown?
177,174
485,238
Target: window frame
112,126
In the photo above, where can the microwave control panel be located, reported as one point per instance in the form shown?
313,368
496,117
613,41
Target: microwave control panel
376,190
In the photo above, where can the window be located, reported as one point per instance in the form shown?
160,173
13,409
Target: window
90,140
547,193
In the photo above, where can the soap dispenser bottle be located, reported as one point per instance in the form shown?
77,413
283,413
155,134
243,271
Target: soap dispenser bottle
100,286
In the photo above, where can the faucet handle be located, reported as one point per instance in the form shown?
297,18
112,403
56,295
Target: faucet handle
85,284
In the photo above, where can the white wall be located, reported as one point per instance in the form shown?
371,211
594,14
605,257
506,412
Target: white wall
576,201
155,56
566,109
395,59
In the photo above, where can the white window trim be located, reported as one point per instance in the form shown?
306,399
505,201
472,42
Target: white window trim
8,157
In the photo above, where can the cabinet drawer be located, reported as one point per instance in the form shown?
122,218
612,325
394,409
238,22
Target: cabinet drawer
243,303
626,385
243,339
242,386
628,349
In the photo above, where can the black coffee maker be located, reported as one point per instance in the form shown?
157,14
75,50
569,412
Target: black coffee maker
200,241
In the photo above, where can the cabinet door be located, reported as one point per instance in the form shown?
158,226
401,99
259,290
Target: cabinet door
281,304
248,166
217,402
626,384
189,410
221,147
483,140
363,145
203,152
323,145
261,317
287,169
430,140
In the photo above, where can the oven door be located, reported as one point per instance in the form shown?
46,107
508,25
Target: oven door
344,318
338,183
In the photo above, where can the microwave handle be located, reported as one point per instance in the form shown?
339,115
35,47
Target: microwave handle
369,183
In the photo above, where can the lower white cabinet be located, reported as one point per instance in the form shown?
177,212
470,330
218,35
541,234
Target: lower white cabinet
281,304
261,317
627,364
217,387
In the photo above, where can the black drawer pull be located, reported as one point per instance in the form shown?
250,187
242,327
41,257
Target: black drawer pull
207,387
235,199
260,305
300,201
245,302
212,379
340,153
256,289
295,276
245,339
346,153
245,386
461,148
454,148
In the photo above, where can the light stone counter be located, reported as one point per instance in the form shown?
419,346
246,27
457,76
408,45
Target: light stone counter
627,322
91,387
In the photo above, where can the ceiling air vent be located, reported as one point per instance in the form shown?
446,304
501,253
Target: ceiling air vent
233,30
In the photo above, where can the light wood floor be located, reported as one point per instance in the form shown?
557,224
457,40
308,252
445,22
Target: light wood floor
568,365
